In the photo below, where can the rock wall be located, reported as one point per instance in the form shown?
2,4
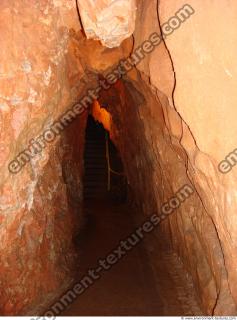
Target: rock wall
173,122
110,21
40,77
204,97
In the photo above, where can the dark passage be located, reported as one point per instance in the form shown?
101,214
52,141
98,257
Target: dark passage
100,155
95,178
129,287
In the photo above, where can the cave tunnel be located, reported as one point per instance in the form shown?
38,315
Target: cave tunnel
118,155
115,239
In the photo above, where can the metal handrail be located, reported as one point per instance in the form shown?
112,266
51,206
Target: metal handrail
110,170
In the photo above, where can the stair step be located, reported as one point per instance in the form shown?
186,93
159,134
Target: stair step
95,183
94,153
94,143
95,177
95,174
98,166
90,182
95,186
95,166
95,190
91,190
94,147
92,164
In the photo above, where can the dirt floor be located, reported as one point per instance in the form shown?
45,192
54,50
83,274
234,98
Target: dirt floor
130,287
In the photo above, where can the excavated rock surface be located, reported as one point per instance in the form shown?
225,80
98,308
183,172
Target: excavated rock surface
42,74
39,78
110,21
170,126
173,120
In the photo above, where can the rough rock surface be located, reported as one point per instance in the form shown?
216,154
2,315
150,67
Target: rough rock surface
205,99
39,76
110,21
179,133
172,118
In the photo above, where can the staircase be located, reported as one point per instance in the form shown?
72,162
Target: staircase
95,176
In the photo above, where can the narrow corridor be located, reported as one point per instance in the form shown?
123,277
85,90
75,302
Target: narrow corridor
130,287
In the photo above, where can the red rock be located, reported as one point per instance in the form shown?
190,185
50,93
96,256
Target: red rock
172,118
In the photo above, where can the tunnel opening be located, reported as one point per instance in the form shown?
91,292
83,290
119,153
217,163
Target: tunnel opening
104,175
95,164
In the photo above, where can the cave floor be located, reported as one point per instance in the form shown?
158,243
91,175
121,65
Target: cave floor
130,287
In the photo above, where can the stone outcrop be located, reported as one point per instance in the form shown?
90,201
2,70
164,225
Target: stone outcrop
110,21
